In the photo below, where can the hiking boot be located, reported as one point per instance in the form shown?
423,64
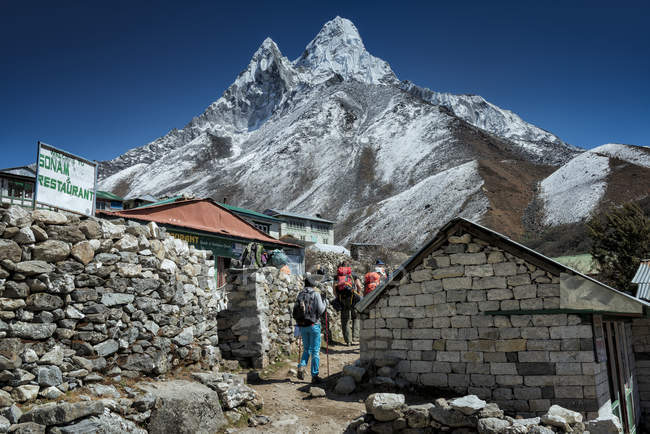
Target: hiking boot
301,373
315,379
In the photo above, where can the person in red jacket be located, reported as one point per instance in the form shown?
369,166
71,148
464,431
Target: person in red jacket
374,278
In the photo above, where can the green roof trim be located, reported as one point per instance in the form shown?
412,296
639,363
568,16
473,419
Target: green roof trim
108,195
160,202
250,212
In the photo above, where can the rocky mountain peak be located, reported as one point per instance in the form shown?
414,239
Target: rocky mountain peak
339,49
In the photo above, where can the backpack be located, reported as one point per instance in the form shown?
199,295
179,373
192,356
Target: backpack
248,256
372,281
279,258
344,280
304,311
260,255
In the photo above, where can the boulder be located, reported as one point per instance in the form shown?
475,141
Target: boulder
187,406
55,413
27,428
50,393
53,357
39,234
26,392
17,216
468,405
233,395
116,298
49,376
51,251
43,301
107,347
491,410
385,407
185,337
345,385
128,243
67,233
111,231
90,229
538,429
5,399
604,425
4,424
355,372
446,415
49,217
83,252
24,236
561,417
29,268
107,423
417,416
27,330
10,250
492,425
316,392
12,413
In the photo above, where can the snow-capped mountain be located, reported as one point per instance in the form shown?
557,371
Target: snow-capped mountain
335,132
576,190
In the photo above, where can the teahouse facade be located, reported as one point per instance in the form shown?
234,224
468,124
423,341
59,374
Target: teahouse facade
475,312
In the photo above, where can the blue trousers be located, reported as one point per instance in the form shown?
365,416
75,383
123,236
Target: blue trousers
311,343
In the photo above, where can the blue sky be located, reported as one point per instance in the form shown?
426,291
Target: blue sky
98,78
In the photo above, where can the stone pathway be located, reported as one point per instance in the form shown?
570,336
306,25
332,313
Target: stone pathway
292,411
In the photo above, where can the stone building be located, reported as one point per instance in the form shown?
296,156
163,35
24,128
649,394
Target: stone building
475,312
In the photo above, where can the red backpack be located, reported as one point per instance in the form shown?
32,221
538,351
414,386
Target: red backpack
372,280
344,280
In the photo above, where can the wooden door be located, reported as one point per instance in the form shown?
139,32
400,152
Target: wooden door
619,374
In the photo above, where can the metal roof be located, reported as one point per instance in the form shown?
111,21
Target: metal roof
26,171
275,213
108,195
200,214
160,202
250,212
642,278
531,255
147,197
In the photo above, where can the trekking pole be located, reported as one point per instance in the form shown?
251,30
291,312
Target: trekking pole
327,342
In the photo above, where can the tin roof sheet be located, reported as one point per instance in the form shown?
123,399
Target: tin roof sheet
200,214
642,278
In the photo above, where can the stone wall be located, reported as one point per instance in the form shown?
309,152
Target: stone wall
256,327
435,324
85,298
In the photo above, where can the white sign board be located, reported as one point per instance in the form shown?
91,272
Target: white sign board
65,181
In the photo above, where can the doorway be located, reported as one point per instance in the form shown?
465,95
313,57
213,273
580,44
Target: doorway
620,374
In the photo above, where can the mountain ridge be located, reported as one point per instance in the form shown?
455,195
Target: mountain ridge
335,132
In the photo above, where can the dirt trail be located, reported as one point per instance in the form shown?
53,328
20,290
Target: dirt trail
287,401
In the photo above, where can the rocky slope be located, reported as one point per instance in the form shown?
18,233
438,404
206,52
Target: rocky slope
335,132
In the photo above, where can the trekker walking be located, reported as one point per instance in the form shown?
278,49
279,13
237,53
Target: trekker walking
348,290
307,310
373,279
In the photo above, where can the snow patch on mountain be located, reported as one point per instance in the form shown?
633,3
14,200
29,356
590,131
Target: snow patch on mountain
414,215
573,192
113,182
338,49
639,155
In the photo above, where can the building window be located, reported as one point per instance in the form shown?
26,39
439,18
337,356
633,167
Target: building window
320,227
295,224
326,241
100,204
261,226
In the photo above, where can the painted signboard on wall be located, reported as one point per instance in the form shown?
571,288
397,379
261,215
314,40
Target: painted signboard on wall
65,181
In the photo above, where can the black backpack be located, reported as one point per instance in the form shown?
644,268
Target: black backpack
304,309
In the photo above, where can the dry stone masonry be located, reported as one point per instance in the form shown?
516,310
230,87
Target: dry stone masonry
256,328
82,300
388,413
455,321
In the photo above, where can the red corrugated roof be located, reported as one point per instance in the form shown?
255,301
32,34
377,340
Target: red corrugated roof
201,214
